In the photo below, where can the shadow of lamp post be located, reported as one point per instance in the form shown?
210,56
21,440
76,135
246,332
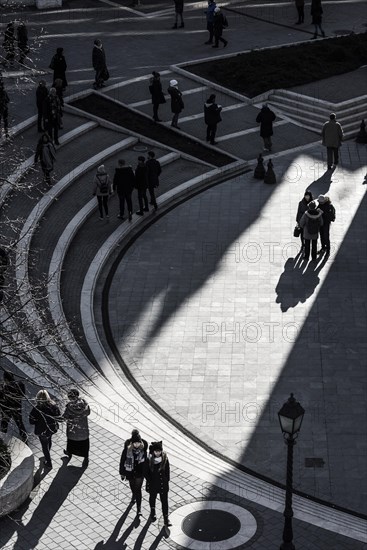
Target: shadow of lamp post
290,418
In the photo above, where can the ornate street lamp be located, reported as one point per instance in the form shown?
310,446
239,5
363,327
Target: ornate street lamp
290,418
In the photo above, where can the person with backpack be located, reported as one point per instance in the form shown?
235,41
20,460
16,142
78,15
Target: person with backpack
123,184
141,184
302,208
311,222
155,88
102,190
12,395
177,104
211,116
4,102
58,66
219,23
22,38
46,153
328,216
157,474
154,170
44,416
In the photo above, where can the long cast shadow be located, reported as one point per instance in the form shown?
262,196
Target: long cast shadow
115,543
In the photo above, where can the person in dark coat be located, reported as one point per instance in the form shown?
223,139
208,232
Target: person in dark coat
266,118
59,66
302,208
76,415
300,6
132,466
41,94
44,416
316,12
45,152
8,44
177,104
311,222
154,170
22,37
123,184
99,64
4,102
141,184
12,394
179,5
219,23
157,474
211,116
52,115
209,20
155,88
328,216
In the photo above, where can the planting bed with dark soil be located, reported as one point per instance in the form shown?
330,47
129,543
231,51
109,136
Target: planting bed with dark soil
256,72
107,109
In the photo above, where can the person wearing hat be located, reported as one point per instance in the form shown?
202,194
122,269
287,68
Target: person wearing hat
328,216
266,118
155,88
212,117
132,466
332,137
102,190
177,104
311,222
157,474
219,23
302,208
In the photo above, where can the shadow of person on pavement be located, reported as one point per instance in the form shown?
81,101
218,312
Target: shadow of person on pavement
162,534
139,543
112,543
63,483
298,282
321,186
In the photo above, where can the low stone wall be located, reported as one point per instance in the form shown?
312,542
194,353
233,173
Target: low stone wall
16,486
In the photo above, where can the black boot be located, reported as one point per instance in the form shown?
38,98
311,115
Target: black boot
153,517
138,511
167,522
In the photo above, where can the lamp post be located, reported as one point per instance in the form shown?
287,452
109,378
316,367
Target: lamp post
290,419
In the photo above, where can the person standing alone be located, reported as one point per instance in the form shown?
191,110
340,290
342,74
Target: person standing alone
211,116
332,137
266,118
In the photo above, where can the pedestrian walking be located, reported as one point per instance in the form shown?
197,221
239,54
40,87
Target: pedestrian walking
12,394
123,184
58,66
266,118
157,473
155,88
141,184
219,23
44,416
328,216
154,170
300,6
4,102
46,154
311,222
332,137
132,466
22,38
302,208
102,190
210,19
316,12
52,115
41,94
8,44
76,415
99,65
211,117
177,104
179,5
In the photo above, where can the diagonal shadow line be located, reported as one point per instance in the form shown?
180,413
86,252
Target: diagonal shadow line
112,543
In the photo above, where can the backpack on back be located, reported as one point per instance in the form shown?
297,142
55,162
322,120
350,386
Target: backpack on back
103,185
313,225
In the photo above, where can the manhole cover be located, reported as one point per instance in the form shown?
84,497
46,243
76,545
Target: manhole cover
140,148
211,525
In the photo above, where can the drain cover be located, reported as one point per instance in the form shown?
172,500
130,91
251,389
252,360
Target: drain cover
211,525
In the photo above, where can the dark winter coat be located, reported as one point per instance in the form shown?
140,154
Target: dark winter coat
316,12
22,36
302,208
212,113
153,172
11,395
4,100
328,212
138,468
76,415
218,23
266,118
210,12
99,59
141,181
311,222
47,154
41,94
179,5
102,184
155,88
124,180
59,66
158,475
177,104
52,108
44,417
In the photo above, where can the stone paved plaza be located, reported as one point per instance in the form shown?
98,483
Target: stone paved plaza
197,322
